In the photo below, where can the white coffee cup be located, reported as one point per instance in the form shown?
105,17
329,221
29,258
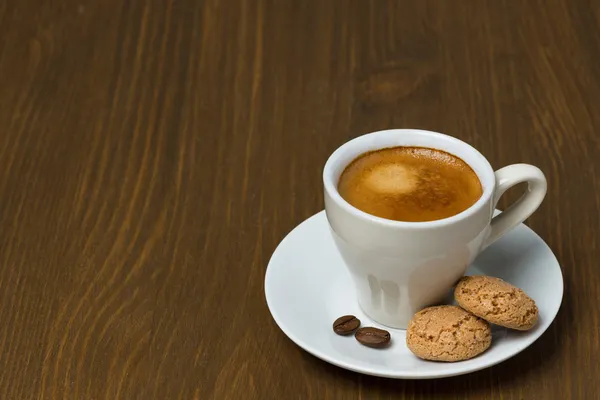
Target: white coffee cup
399,267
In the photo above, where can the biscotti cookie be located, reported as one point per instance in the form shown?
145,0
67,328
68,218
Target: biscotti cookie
496,301
447,333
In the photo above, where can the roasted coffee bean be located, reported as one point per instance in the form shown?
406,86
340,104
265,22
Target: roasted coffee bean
346,325
373,337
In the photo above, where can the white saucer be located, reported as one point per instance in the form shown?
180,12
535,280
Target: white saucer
307,287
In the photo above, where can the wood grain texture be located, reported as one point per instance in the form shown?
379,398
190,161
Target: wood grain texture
154,153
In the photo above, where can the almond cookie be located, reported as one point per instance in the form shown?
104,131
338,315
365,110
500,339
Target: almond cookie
497,302
447,333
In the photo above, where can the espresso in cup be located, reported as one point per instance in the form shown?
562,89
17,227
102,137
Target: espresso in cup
401,268
412,184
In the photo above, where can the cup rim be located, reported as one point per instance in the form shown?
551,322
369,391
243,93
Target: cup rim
331,186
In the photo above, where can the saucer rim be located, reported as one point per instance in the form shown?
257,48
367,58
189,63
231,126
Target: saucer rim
414,375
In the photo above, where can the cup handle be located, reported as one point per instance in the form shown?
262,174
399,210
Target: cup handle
521,209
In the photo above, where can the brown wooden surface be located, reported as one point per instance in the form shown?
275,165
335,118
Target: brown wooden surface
154,153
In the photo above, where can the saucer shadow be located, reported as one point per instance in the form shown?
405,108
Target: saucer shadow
543,352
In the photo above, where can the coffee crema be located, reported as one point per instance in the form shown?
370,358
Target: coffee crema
412,184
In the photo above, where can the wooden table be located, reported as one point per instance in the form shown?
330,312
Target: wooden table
154,153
